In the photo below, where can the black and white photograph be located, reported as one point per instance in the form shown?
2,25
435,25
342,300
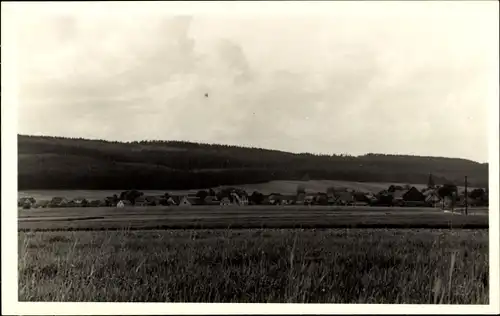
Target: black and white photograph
334,152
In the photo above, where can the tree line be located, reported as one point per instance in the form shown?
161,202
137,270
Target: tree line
61,163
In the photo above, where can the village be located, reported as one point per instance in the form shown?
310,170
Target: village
395,195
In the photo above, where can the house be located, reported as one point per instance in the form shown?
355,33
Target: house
58,202
225,201
371,197
79,201
431,197
41,204
123,203
309,199
26,204
152,200
189,201
275,199
360,199
240,200
411,197
172,200
184,201
288,199
331,200
24,200
320,199
344,198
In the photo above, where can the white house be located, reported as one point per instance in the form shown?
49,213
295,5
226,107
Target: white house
243,200
184,201
225,201
123,203
171,201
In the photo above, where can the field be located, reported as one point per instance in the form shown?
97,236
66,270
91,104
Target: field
162,217
417,266
253,254
282,186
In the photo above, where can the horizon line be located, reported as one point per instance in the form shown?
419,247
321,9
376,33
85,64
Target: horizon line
247,147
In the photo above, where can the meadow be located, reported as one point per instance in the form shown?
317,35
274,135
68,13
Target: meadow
411,266
217,217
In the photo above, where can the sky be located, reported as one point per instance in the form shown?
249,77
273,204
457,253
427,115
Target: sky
390,77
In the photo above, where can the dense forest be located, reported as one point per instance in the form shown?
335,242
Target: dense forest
64,163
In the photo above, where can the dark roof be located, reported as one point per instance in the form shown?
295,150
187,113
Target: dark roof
57,199
193,200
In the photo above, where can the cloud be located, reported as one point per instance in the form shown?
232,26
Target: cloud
356,83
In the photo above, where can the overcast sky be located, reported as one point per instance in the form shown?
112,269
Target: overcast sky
412,78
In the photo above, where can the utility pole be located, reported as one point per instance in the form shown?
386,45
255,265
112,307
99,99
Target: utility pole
466,202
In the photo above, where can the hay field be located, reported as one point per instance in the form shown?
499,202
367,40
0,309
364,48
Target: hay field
106,218
418,266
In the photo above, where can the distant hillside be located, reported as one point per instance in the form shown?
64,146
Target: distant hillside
62,163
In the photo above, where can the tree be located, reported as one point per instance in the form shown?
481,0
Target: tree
131,195
477,194
256,198
301,189
430,182
223,193
321,199
202,194
330,191
447,190
163,201
383,198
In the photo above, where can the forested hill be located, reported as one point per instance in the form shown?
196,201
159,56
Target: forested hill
63,163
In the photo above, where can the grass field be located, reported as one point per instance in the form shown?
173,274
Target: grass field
212,217
271,265
285,187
